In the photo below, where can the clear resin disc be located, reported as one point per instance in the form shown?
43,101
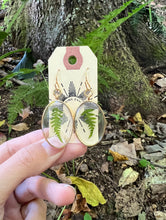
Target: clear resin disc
57,124
89,123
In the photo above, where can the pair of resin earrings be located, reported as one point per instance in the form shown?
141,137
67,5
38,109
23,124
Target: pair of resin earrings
61,121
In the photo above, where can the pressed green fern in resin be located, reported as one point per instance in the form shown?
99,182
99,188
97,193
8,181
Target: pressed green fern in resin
90,119
56,121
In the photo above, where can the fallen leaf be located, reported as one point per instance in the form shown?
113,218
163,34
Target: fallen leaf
162,117
1,63
161,82
20,127
57,169
117,156
148,131
3,138
155,148
138,144
120,109
137,117
130,201
158,188
160,215
66,214
2,123
156,77
25,112
126,149
161,130
128,176
89,191
142,216
153,156
80,205
39,62
156,176
8,59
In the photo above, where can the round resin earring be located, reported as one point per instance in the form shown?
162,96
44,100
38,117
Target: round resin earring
89,121
57,121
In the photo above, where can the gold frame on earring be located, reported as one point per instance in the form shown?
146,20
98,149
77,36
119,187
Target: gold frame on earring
105,123
88,93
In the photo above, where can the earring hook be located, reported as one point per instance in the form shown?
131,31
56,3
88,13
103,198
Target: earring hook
88,92
57,92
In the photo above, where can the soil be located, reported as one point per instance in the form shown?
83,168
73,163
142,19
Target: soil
90,167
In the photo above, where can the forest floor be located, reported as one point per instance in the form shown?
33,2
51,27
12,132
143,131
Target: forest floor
139,195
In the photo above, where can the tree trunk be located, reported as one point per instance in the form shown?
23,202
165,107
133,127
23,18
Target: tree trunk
44,25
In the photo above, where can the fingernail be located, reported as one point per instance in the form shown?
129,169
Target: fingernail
51,151
69,186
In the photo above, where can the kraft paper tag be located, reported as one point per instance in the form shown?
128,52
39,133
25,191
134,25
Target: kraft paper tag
73,78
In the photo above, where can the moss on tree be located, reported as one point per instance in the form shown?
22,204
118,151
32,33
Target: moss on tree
46,25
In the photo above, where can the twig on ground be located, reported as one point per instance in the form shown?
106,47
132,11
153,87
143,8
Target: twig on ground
19,82
152,68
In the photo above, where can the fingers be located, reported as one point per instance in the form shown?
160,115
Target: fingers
71,151
28,161
9,148
34,210
12,209
44,188
32,160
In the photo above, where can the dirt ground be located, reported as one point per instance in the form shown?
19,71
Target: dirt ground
122,202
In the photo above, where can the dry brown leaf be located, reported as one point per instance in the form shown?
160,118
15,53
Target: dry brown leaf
7,59
162,117
57,169
25,112
120,109
80,205
157,76
126,149
138,144
1,63
66,214
160,215
3,138
20,127
117,156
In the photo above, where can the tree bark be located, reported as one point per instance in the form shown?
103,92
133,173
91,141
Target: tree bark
147,48
44,25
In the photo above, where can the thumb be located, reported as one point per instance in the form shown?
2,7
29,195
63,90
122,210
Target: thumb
36,209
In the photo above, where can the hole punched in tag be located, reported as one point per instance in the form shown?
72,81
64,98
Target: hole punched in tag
73,59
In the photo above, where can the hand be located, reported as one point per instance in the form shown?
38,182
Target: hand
21,191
